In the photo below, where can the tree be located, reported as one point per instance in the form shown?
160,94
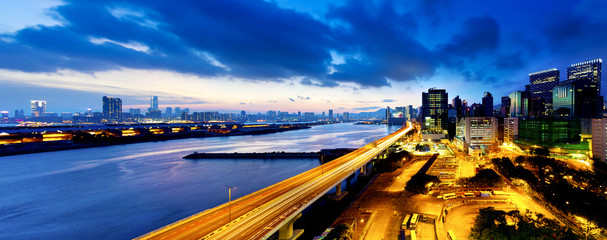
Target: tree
494,224
340,232
484,178
540,151
420,182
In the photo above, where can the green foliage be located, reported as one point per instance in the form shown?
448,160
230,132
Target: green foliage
422,147
540,151
392,162
484,178
577,192
340,232
419,183
497,224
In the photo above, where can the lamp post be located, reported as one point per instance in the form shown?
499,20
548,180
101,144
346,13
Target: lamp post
322,164
230,202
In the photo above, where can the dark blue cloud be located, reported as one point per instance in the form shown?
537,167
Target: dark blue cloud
479,34
380,45
379,41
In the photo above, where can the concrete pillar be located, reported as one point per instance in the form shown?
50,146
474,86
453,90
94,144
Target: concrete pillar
286,231
338,190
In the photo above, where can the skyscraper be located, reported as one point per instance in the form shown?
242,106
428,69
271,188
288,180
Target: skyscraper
330,114
38,107
542,84
488,104
153,103
516,103
434,111
112,108
505,107
586,76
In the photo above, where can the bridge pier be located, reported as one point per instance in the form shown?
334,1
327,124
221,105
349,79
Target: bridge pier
286,232
338,195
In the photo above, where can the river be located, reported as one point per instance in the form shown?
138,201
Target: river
123,191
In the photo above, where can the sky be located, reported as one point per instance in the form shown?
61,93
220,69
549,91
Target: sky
288,55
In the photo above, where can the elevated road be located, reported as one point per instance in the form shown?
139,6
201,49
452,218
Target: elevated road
262,213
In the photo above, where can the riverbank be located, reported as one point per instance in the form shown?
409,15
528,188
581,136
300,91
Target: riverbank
89,140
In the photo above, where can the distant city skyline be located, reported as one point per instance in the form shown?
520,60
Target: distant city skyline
320,55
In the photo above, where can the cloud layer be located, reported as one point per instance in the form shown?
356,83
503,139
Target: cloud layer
361,44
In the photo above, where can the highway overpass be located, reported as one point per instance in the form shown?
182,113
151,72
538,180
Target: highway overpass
260,214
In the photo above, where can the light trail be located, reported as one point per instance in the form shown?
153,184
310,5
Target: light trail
260,214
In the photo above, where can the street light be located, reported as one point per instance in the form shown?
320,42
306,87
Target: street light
230,202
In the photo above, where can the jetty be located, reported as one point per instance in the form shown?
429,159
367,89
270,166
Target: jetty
327,154
265,155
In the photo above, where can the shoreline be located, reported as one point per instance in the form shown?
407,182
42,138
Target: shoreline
52,146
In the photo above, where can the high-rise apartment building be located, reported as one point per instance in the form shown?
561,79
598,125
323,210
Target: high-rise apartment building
541,87
599,138
112,108
434,111
488,104
510,129
330,114
38,108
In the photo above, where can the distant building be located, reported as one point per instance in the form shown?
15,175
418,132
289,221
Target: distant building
19,114
154,114
488,105
542,84
434,111
510,129
169,112
112,108
66,115
38,108
153,103
477,110
599,138
330,114
457,105
135,111
346,116
477,133
505,107
516,103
